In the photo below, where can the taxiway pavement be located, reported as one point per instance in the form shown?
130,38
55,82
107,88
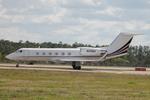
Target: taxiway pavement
85,69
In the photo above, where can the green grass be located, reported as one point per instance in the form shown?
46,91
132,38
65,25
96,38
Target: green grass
49,85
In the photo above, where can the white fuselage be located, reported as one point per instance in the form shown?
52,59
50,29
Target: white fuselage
58,54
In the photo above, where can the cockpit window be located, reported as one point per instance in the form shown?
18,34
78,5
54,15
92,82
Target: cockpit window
20,51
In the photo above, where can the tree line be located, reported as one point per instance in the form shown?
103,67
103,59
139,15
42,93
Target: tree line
137,55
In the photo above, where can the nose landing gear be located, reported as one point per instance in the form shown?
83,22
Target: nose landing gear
17,65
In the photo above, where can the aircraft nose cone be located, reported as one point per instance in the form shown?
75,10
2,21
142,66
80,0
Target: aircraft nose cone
10,56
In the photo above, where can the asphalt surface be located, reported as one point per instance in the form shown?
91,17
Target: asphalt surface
85,69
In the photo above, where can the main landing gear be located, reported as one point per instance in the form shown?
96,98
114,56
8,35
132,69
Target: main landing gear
76,65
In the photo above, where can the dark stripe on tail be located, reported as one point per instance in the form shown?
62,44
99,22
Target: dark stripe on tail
123,49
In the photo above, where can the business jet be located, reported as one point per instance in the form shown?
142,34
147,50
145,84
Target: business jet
119,47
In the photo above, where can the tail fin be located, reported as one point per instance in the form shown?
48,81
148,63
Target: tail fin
120,45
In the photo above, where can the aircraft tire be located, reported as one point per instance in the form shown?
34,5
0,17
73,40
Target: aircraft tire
74,67
79,67
17,65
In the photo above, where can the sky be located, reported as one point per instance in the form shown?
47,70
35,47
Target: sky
84,21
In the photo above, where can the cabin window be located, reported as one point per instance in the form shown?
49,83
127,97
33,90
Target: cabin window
63,53
37,53
50,53
43,53
56,53
69,53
